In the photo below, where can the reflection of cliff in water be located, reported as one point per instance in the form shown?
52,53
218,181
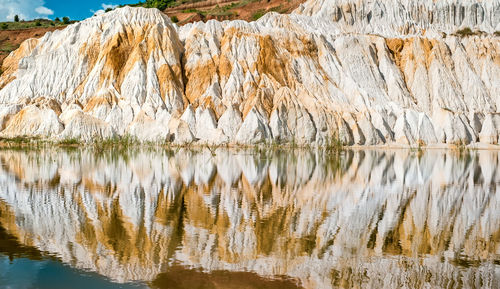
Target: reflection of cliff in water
377,218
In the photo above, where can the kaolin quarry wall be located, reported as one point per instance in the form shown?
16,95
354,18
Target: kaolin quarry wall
362,72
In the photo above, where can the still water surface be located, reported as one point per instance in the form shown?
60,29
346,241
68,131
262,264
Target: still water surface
249,219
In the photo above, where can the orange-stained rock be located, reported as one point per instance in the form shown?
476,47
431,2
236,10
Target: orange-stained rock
362,72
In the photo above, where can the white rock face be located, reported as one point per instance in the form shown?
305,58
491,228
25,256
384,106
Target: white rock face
389,17
182,133
189,117
254,129
81,126
365,72
230,122
206,128
6,112
33,121
490,132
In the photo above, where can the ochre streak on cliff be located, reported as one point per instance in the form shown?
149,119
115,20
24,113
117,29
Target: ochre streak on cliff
270,61
11,63
200,76
122,52
403,51
106,99
89,51
395,45
170,77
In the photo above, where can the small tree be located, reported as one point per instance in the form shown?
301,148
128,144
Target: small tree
65,20
38,23
174,19
4,26
57,20
16,18
108,9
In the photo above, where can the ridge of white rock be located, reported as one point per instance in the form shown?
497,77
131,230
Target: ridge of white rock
377,73
110,66
395,220
402,17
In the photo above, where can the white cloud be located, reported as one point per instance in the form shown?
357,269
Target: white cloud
104,7
26,9
44,11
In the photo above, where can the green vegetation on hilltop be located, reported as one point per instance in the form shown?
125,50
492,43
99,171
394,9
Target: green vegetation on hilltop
40,23
205,10
230,10
160,4
216,11
7,47
164,4
258,14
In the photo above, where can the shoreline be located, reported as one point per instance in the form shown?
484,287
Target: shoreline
33,142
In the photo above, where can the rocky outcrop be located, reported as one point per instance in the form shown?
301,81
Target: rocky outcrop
375,218
80,126
490,129
360,72
390,17
35,122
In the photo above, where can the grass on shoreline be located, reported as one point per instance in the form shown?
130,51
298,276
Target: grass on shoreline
334,145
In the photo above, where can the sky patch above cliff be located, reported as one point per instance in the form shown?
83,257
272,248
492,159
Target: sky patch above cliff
31,9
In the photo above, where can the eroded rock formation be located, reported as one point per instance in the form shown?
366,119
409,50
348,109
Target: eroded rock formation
362,72
370,219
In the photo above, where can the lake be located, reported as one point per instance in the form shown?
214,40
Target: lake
227,218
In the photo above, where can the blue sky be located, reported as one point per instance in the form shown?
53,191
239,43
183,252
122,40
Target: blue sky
30,9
